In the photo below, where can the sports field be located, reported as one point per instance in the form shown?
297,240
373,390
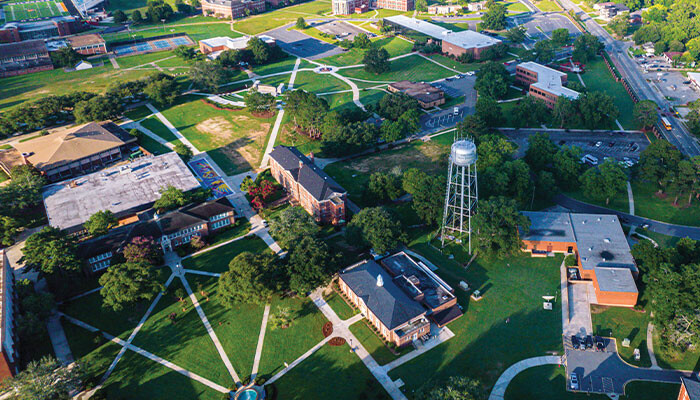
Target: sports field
31,10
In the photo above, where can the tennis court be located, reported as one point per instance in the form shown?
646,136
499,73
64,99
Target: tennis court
209,178
152,45
34,10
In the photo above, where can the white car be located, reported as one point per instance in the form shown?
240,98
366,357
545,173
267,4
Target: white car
573,381
598,144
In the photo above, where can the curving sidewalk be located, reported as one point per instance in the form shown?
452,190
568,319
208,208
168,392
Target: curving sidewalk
499,389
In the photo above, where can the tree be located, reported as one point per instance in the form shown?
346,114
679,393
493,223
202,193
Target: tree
560,37
98,108
301,23
361,41
50,251
185,52
620,25
427,192
349,138
393,105
693,122
45,379
545,185
232,58
23,191
376,61
586,47
206,75
645,113
128,283
567,166
183,7
291,225
493,150
65,57
376,228
517,34
136,16
604,181
384,186
281,318
261,50
258,102
564,111
456,388
159,10
489,111
657,161
100,223
170,199
544,51
530,112
248,280
310,265
472,126
307,111
142,250
162,89
422,5
9,228
496,226
492,80
183,150
597,109
540,151
119,16
495,17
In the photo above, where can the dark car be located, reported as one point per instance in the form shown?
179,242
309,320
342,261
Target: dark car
575,341
599,343
589,342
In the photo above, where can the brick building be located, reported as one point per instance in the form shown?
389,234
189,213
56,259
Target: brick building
24,58
690,389
544,83
181,226
43,29
9,354
603,256
427,95
398,318
212,47
345,7
88,44
316,192
232,8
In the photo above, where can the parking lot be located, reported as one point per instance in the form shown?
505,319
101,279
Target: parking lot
453,87
672,84
302,45
339,29
547,24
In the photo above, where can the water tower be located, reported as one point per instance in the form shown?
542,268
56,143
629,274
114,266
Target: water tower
462,195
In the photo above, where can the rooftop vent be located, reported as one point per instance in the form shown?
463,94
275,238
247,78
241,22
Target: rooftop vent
380,281
606,240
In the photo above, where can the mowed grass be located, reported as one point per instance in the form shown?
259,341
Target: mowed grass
339,305
184,341
395,46
547,6
152,146
289,137
648,204
448,62
622,323
217,260
94,356
138,378
619,202
287,344
281,66
316,83
372,343
506,326
235,139
548,382
236,327
413,68
34,10
154,125
330,373
196,31
256,24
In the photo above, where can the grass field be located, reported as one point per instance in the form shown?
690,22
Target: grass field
313,82
153,146
154,125
234,138
34,10
549,383
413,68
395,46
622,323
339,305
195,30
285,65
620,202
256,24
372,343
447,61
648,204
217,260
547,6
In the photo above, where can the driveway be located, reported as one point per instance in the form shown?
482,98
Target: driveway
302,45
579,311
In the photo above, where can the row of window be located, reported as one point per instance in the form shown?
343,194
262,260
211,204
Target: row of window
100,265
100,257
219,216
183,232
219,224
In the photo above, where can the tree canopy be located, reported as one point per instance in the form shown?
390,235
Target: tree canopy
495,17
100,223
291,225
45,379
604,181
170,199
50,251
428,194
128,283
249,279
258,102
376,228
496,227
456,388
310,265
376,61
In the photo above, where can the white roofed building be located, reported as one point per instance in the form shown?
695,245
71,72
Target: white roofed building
544,83
212,47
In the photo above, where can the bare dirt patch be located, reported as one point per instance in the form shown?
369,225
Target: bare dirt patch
429,156
219,128
244,151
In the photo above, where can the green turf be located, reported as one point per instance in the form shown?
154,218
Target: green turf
138,113
3,176
154,125
517,8
547,6
143,59
288,136
330,373
395,46
313,82
152,146
648,204
339,305
217,260
622,323
196,31
337,101
240,228
285,65
661,239
372,343
184,342
94,356
33,10
287,344
511,307
413,68
619,202
447,61
236,327
256,24
138,378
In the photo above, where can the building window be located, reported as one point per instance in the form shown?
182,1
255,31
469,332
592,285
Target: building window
101,257
98,266
219,224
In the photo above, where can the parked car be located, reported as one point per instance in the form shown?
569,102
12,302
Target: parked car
589,342
599,343
575,341
589,159
598,144
573,381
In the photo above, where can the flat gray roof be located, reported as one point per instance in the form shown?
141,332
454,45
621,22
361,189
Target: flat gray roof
549,80
470,39
419,25
601,241
611,279
119,189
466,39
552,227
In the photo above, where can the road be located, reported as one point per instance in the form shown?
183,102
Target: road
679,136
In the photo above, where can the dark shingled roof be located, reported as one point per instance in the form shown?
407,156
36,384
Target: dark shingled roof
692,388
193,215
387,302
25,48
210,209
117,238
310,177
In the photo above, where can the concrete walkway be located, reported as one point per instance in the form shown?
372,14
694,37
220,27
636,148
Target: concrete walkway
650,346
205,273
630,197
172,128
353,86
261,340
435,62
58,340
499,389
299,360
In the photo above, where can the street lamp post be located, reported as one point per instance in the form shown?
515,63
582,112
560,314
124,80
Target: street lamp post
163,21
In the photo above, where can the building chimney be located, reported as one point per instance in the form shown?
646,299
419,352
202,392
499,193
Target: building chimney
301,164
380,280
311,157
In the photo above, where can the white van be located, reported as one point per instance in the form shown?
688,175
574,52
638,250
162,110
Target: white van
590,159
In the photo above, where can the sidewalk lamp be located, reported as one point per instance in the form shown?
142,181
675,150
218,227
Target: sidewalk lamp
163,21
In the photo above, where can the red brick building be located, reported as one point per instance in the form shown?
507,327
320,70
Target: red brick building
232,8
24,58
42,29
399,5
8,340
544,83
427,95
88,44
316,192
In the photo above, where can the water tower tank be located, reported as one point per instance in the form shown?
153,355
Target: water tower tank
463,153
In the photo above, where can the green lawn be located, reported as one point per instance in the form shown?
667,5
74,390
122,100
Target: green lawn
371,96
395,46
3,176
511,308
138,113
339,305
517,8
138,378
372,343
287,344
547,6
413,68
622,323
548,382
234,138
447,61
141,59
95,357
196,32
237,327
154,125
256,24
313,82
153,146
288,136
184,342
337,101
240,228
648,204
661,239
330,373
620,202
285,65
217,260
